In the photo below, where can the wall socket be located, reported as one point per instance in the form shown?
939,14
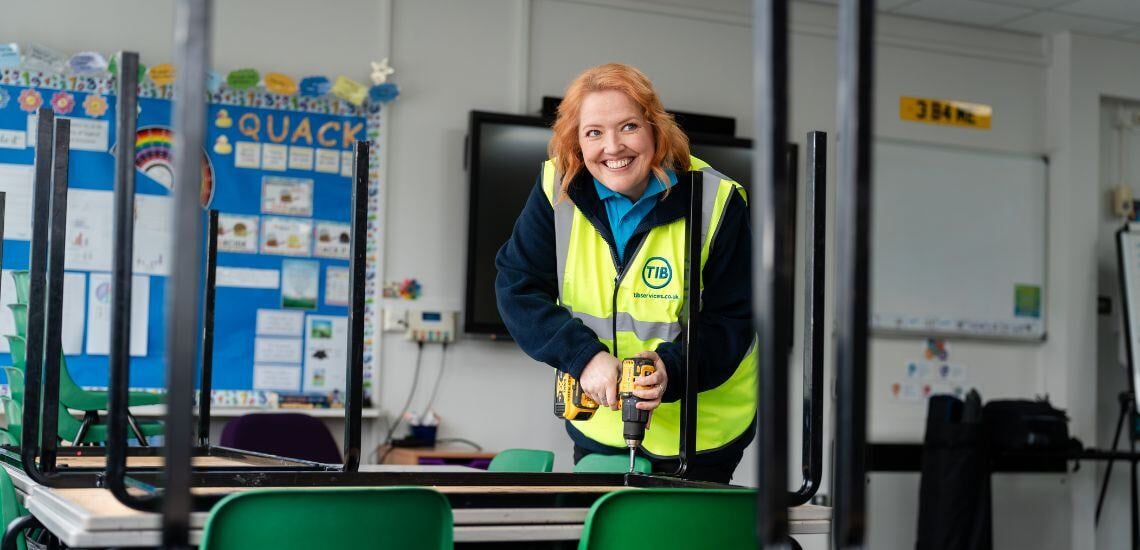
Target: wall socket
395,320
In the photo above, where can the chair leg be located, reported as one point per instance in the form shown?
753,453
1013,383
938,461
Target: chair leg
15,530
134,424
89,418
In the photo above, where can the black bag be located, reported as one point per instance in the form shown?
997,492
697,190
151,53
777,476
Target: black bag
1021,425
954,492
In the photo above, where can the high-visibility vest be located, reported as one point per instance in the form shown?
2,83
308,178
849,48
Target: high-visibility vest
641,307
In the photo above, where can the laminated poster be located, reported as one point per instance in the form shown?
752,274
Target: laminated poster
300,283
288,196
332,240
237,233
326,338
286,236
336,286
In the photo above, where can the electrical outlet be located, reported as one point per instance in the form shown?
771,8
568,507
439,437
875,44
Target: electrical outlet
432,326
395,320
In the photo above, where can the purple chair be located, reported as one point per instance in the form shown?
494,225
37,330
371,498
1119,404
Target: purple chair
292,435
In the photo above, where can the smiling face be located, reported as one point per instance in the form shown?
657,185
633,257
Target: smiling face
617,142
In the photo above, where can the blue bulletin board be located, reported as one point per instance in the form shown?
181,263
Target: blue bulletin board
278,170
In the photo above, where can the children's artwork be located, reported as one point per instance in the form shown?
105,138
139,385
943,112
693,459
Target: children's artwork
332,240
300,283
286,236
336,286
289,196
88,230
99,314
237,233
937,349
152,234
326,340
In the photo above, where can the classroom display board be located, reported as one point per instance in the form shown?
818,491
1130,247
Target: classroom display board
958,242
277,168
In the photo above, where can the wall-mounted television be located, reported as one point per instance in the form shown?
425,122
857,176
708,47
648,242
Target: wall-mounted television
503,157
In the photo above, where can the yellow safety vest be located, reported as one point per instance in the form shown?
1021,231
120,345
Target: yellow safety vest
639,309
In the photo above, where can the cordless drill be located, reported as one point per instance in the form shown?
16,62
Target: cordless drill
633,417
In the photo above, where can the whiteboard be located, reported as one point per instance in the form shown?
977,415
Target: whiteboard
958,242
1128,260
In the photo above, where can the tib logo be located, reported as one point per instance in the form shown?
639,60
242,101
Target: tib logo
657,272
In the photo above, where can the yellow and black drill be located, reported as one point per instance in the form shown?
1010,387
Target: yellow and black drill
571,403
632,417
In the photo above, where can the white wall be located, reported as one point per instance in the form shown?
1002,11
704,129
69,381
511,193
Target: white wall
1095,90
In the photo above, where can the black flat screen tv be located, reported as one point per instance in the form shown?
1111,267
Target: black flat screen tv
503,158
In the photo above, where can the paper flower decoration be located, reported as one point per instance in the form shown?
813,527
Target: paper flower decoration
95,105
315,86
383,93
381,71
410,289
62,103
213,82
30,100
4,98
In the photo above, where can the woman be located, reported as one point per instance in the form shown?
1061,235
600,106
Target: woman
594,272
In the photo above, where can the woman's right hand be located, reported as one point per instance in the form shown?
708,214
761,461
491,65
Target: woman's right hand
600,379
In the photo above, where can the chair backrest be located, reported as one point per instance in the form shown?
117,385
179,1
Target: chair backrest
10,508
293,435
522,460
20,318
14,412
696,518
15,378
617,464
411,518
69,390
20,277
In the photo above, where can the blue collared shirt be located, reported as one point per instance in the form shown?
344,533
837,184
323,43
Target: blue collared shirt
624,214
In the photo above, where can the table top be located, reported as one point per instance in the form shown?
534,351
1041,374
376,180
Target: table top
94,518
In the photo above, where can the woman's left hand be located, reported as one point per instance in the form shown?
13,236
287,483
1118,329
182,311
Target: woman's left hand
651,387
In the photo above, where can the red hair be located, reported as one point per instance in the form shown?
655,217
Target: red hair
671,144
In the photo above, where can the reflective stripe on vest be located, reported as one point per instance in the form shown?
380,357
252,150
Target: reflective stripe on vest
649,301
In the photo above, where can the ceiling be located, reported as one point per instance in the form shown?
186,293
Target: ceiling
1111,18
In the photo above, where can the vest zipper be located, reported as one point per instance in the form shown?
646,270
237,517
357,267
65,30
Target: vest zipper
617,285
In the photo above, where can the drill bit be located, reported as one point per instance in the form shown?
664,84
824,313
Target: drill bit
631,451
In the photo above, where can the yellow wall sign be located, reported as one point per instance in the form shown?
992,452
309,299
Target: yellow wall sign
945,112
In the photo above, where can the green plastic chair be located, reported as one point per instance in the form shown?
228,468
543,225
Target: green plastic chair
10,507
411,518
21,279
611,464
522,460
69,428
697,518
73,395
20,318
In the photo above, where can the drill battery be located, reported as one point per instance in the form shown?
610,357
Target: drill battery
570,402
